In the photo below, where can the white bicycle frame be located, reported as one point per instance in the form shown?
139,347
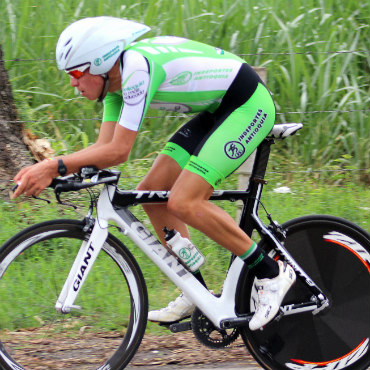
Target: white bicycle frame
221,311
215,308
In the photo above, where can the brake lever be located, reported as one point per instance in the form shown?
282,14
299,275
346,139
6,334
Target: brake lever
45,200
57,196
14,188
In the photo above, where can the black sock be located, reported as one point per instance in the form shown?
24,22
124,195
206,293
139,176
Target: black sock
263,266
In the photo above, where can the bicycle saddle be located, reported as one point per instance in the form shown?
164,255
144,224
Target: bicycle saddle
284,130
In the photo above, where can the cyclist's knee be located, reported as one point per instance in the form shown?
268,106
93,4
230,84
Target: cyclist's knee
183,207
179,206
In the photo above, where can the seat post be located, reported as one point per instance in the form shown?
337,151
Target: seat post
261,161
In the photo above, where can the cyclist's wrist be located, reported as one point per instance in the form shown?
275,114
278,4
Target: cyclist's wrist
52,164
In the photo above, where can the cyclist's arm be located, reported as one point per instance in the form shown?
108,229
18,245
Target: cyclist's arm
105,136
104,153
32,180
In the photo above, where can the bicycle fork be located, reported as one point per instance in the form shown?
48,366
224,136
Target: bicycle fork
83,263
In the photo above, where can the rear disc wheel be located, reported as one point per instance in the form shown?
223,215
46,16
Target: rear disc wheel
336,255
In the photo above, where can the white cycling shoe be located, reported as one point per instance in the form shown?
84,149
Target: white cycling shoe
271,293
180,308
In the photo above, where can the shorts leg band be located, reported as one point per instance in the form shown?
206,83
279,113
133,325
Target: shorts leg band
176,152
209,173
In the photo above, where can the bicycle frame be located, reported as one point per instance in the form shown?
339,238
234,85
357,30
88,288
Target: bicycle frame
113,206
217,309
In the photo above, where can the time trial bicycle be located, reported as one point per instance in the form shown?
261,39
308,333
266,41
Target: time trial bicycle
52,275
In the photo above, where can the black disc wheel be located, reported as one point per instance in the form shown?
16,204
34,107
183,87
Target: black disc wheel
336,255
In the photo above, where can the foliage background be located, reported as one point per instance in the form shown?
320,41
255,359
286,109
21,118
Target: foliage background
316,54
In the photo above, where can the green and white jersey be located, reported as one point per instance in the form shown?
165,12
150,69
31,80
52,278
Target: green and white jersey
172,74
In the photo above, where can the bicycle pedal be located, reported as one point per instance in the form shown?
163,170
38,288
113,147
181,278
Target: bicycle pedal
180,326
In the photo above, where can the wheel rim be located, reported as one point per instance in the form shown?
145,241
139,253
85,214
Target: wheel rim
38,336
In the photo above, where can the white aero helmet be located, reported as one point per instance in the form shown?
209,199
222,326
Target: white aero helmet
96,42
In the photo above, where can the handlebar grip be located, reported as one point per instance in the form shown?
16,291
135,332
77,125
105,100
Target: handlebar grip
71,186
63,187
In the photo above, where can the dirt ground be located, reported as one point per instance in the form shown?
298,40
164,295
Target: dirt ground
34,348
182,350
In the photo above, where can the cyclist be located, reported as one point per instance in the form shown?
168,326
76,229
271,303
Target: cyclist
235,112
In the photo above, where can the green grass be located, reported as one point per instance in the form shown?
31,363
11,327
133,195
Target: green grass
309,195
293,43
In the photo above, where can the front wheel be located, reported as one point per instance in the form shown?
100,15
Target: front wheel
336,255
104,334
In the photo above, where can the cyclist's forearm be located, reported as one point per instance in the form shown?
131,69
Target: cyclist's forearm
104,153
100,156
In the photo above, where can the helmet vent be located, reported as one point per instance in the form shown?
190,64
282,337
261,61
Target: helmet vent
68,42
68,52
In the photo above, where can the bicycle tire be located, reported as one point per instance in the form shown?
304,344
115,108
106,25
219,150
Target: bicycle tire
104,334
336,255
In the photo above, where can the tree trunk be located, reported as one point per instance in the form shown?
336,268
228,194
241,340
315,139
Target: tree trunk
13,152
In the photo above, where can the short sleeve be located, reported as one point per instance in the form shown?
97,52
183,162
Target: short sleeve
112,107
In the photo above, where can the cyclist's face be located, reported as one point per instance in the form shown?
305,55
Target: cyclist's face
90,86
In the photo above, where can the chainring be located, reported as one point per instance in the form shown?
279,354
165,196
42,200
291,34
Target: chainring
208,334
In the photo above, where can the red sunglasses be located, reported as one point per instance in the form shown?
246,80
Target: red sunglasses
79,71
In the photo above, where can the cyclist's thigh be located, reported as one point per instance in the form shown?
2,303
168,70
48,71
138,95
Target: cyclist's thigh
234,138
186,139
176,153
162,175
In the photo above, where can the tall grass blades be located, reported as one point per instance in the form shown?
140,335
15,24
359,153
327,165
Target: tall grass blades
295,43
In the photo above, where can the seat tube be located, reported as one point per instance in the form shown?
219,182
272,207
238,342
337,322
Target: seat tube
256,182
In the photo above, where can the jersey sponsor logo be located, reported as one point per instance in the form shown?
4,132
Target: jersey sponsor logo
234,149
212,74
135,87
181,78
170,107
253,128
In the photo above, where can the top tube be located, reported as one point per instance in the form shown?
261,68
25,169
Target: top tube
124,198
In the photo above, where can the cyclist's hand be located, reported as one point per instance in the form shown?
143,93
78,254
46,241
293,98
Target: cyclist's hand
34,179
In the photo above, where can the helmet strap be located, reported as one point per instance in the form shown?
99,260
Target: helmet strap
105,87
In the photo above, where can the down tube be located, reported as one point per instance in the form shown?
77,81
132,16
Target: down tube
137,232
215,308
